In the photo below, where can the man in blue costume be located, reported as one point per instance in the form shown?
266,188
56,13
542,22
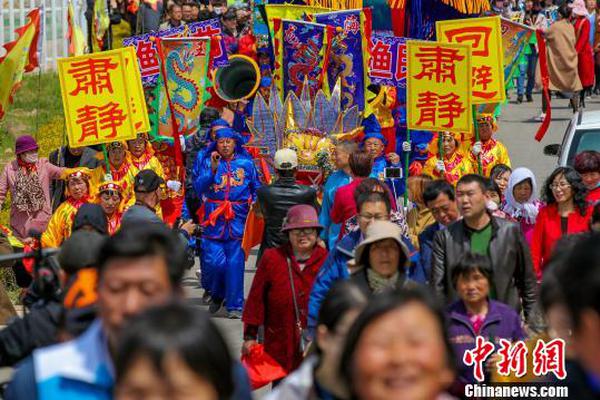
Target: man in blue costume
374,143
228,180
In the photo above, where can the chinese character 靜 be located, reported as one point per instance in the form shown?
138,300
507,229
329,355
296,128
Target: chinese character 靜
93,120
433,106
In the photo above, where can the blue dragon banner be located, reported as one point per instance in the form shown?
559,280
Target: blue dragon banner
347,56
146,51
303,55
184,72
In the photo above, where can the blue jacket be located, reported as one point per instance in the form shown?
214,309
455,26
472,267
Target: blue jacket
234,181
335,268
81,369
330,230
426,247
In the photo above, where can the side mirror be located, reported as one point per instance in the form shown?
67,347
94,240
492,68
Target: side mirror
552,149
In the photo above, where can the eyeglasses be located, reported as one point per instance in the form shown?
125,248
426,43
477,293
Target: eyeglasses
560,185
376,217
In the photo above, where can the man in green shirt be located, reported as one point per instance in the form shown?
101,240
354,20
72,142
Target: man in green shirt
514,281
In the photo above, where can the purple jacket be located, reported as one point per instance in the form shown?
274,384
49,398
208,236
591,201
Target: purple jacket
501,322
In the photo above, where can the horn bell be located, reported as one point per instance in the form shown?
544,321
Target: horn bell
237,81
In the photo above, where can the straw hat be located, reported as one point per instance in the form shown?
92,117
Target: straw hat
381,230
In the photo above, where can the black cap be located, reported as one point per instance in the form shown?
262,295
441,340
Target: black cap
147,181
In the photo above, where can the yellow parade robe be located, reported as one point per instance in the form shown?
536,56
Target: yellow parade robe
122,177
61,223
146,161
456,166
492,153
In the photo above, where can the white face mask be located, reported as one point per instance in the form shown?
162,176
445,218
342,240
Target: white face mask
30,158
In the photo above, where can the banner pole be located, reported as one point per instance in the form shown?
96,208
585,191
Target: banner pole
105,152
406,165
476,127
177,144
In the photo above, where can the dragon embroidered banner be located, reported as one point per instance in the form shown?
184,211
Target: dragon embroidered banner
301,55
185,67
347,57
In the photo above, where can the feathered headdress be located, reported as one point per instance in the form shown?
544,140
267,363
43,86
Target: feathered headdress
309,126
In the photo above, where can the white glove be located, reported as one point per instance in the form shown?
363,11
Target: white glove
406,147
174,185
476,148
182,142
439,165
108,177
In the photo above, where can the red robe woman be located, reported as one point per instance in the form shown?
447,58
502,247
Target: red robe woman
585,56
278,303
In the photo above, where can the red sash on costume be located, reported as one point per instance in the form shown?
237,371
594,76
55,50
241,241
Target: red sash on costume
225,208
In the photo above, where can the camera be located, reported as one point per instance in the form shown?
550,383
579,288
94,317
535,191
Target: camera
392,173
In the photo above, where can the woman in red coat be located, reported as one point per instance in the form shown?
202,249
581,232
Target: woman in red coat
344,204
585,55
271,299
566,212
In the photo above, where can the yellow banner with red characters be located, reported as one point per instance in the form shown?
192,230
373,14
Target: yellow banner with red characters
438,93
484,36
102,99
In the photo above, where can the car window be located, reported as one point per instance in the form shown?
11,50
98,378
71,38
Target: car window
588,139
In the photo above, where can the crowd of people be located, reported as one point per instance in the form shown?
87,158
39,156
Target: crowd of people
572,36
373,278
356,279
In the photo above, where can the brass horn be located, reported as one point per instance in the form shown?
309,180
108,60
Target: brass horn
237,81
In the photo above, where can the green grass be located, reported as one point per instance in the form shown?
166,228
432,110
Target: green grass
37,103
37,111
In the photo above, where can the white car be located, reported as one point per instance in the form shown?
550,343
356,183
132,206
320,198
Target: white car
583,133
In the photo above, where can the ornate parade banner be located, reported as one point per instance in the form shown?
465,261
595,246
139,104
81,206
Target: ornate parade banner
485,39
301,55
347,57
99,99
438,89
185,62
146,51
21,55
387,65
514,39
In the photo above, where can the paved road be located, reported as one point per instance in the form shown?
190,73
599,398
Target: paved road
517,129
